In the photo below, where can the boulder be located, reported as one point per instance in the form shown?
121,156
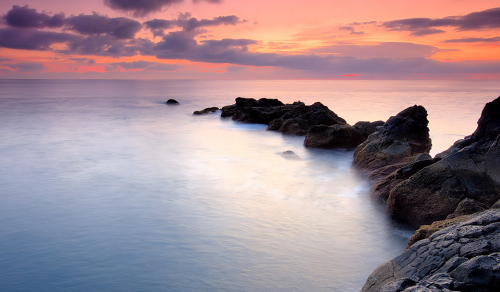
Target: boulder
401,137
206,111
465,180
462,257
172,102
293,119
340,135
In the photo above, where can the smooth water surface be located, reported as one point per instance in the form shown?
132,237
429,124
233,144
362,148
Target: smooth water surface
103,187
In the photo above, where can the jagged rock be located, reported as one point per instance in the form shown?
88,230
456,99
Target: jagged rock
206,111
461,257
382,188
402,136
340,136
172,102
294,119
464,181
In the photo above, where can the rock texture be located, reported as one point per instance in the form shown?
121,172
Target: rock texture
462,257
206,111
294,119
402,137
464,180
340,136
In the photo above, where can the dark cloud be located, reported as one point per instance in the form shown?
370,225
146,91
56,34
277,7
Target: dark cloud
140,7
32,39
144,65
474,40
189,23
486,19
350,29
83,60
103,45
5,60
95,24
27,67
23,16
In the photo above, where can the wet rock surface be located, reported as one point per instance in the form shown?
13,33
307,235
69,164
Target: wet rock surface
461,257
292,119
340,136
208,110
402,136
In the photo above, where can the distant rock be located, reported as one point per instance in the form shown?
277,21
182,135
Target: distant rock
400,139
292,119
172,102
462,257
206,111
340,136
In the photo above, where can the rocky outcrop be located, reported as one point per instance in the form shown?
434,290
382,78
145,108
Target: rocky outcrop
461,257
294,119
402,136
340,136
206,111
465,180
172,102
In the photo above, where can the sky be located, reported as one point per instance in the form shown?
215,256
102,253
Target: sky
258,39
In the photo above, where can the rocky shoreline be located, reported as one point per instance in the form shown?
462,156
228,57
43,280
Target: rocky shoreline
453,199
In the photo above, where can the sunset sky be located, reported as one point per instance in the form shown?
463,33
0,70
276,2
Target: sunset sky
259,39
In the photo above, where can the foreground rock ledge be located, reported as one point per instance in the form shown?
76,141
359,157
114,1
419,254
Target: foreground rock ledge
462,257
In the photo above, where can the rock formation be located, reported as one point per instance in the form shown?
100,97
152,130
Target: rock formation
461,257
340,136
206,111
461,180
400,139
293,119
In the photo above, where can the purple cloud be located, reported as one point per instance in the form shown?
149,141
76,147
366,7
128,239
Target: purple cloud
486,19
474,40
32,39
95,24
23,16
27,67
189,23
140,7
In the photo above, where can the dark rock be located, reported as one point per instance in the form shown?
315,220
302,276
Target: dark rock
401,137
466,180
381,190
289,154
462,257
172,102
206,111
340,136
293,119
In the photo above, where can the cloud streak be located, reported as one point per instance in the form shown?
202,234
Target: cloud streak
486,19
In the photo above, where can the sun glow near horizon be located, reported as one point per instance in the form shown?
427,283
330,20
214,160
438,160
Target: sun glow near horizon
210,39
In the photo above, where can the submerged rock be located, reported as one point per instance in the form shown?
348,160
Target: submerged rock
402,137
461,257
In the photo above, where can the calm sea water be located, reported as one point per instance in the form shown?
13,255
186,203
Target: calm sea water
105,188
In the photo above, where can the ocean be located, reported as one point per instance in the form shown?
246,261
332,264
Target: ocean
104,187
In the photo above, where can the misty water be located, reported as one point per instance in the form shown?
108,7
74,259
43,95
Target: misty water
103,187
